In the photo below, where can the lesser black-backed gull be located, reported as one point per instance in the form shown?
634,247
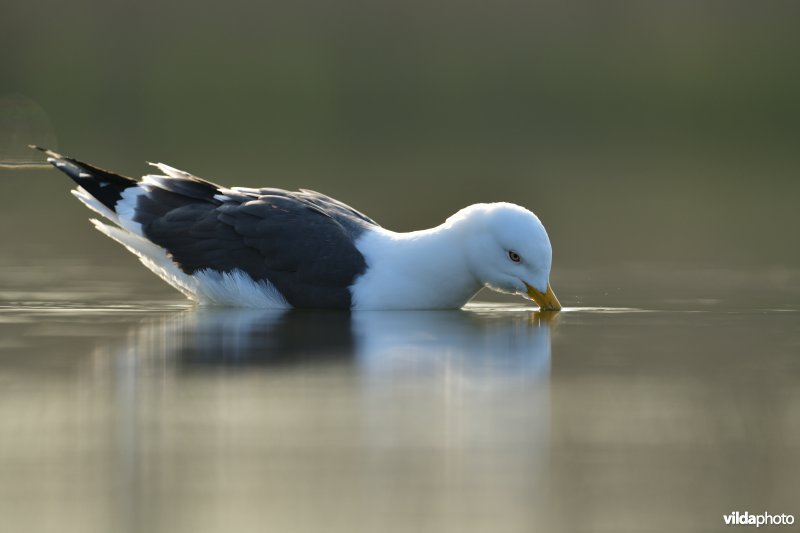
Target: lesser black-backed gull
269,247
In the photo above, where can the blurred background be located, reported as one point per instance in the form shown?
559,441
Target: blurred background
658,142
641,133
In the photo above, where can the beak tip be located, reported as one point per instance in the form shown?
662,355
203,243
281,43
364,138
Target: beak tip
547,301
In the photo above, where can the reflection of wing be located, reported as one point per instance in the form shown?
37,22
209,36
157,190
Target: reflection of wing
256,337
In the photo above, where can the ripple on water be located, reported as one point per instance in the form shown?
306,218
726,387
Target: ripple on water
10,309
514,307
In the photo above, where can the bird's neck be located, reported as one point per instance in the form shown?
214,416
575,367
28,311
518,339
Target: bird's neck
420,269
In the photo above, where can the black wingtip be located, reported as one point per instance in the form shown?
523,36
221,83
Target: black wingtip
106,186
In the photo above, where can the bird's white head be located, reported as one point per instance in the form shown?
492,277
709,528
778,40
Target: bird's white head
508,250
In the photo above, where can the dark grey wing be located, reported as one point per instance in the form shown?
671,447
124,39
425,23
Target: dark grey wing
343,212
302,242
303,245
333,205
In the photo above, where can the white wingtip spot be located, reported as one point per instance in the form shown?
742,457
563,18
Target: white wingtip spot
84,175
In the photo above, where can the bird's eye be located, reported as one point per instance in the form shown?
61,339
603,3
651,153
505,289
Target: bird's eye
514,256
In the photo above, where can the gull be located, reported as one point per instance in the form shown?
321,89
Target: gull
273,248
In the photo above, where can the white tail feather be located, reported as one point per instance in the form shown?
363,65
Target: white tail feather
94,204
206,287
153,257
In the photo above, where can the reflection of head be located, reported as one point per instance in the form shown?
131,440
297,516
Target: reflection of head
480,343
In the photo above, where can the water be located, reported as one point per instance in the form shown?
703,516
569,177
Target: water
123,408
656,141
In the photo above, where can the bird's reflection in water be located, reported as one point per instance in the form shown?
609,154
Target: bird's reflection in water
509,343
479,375
389,421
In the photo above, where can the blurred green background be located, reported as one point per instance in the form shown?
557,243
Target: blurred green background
640,132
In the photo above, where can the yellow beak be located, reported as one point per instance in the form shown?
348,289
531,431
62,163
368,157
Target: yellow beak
546,301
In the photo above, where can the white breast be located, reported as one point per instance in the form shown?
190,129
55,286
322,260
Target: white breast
418,270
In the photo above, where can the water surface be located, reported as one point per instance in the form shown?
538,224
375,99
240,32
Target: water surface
128,410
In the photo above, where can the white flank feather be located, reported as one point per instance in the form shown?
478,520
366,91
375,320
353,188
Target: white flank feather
237,288
152,256
126,208
206,287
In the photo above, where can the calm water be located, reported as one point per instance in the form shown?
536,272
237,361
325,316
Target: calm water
642,133
121,412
